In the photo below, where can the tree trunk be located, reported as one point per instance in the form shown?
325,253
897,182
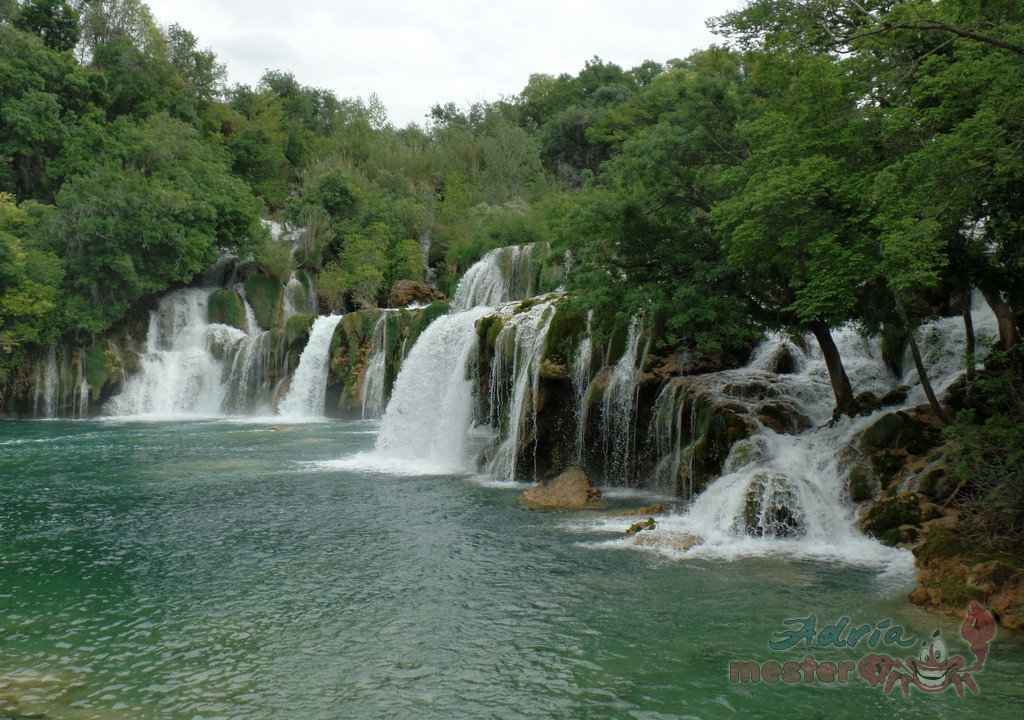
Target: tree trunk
845,404
940,412
1008,335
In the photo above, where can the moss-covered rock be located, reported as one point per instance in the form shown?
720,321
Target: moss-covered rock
563,333
886,466
296,328
900,431
743,453
636,527
782,361
227,308
105,366
892,512
266,298
861,484
431,313
488,327
929,481
782,418
903,535
553,369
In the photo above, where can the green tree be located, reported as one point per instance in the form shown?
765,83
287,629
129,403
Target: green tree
55,21
30,280
794,219
640,236
152,212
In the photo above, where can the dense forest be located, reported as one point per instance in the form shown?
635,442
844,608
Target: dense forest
832,162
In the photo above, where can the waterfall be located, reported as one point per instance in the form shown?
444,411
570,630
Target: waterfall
619,405
431,407
81,400
179,374
372,394
299,298
581,377
306,397
503,274
249,365
47,393
669,440
515,380
785,493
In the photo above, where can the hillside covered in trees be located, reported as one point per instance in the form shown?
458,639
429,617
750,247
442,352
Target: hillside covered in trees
832,162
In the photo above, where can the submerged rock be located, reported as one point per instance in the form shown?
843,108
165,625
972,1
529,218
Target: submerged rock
655,509
572,490
636,527
680,542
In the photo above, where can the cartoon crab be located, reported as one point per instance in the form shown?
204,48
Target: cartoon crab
933,670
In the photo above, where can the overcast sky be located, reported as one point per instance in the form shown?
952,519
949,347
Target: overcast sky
415,54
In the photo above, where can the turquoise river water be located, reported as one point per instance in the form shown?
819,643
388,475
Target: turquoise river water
215,569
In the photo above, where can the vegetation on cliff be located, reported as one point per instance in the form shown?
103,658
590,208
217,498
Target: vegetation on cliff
836,162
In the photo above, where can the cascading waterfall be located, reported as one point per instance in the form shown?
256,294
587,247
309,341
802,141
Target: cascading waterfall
503,274
81,400
372,397
47,385
431,409
192,367
515,379
248,365
581,377
619,405
179,374
785,493
306,397
670,445
298,298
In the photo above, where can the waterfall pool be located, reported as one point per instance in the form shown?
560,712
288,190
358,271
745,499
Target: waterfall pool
216,569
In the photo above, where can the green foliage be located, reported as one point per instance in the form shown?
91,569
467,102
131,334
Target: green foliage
30,280
989,454
228,308
297,328
275,258
55,21
265,296
152,212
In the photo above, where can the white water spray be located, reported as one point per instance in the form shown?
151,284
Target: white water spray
179,375
785,493
372,395
503,274
515,381
306,397
431,408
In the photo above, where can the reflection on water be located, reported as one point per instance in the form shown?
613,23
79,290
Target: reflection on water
216,569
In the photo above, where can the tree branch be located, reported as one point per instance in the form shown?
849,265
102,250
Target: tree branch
945,27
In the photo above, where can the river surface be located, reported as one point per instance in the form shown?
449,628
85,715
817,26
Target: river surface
216,569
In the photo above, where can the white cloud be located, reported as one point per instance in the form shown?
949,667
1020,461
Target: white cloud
415,54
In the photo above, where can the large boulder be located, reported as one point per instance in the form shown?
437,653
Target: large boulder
572,490
407,292
783,418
